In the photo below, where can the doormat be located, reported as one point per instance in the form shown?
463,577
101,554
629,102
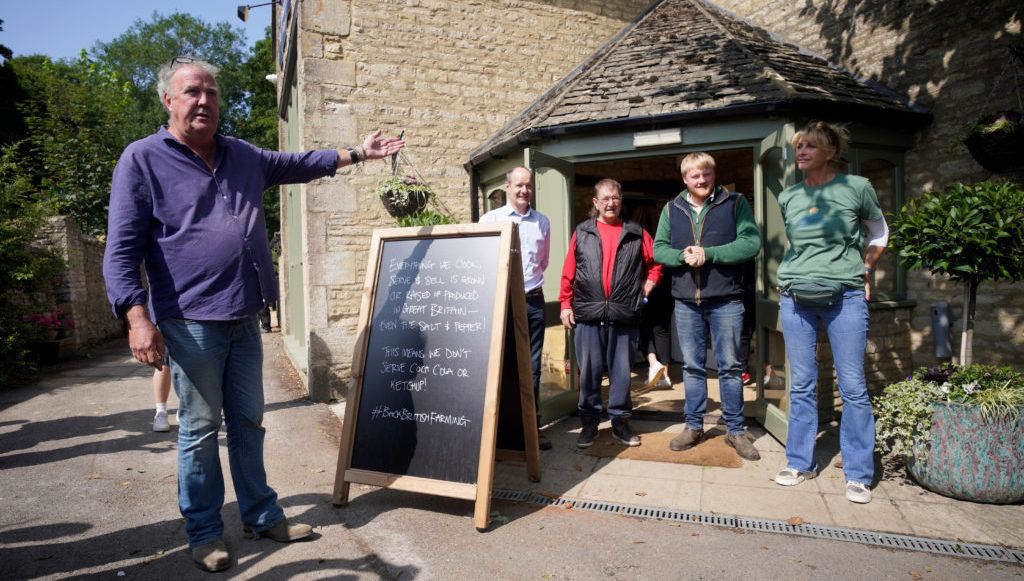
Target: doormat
712,451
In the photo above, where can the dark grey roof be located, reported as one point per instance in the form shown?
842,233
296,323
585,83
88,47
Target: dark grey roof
689,58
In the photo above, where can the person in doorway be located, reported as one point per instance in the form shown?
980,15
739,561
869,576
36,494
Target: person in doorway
705,234
607,273
535,250
656,320
825,217
161,391
188,203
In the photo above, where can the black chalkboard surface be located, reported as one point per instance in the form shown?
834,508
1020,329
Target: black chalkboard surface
427,355
441,370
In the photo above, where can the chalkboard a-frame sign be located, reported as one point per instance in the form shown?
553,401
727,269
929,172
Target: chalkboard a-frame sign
441,372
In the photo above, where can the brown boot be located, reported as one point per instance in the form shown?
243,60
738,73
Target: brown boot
686,440
744,449
212,556
282,532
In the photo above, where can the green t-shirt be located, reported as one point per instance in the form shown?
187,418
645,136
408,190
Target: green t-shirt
823,226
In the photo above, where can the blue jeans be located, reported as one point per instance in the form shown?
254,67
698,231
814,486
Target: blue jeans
725,319
846,323
600,346
535,318
218,366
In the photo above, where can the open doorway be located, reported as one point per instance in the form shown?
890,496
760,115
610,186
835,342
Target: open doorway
648,184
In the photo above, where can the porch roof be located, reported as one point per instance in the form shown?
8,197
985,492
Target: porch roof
689,59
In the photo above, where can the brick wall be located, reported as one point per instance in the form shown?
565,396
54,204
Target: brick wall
946,56
449,74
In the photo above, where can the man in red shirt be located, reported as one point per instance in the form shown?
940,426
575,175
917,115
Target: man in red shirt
608,273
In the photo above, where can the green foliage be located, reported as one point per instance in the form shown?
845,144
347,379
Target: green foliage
25,269
903,412
970,232
137,54
425,218
403,195
259,127
75,113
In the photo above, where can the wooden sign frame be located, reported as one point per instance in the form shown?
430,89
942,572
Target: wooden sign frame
509,305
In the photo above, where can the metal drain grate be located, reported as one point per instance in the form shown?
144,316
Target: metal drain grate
894,541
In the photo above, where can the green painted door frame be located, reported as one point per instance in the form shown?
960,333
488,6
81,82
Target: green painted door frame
553,189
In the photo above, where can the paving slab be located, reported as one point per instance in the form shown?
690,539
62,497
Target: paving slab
88,490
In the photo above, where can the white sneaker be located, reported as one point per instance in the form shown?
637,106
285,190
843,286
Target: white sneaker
160,423
792,477
655,373
857,492
665,381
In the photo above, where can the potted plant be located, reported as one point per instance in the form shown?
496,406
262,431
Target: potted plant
403,196
996,141
972,233
960,428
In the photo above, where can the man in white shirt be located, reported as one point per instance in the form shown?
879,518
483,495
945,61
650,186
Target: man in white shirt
535,246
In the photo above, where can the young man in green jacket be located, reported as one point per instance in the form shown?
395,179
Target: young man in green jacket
705,235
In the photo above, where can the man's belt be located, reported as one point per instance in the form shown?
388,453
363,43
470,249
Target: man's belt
537,292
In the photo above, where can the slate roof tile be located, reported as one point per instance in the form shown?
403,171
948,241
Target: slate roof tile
689,55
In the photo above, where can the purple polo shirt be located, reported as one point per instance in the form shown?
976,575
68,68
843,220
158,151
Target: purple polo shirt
201,233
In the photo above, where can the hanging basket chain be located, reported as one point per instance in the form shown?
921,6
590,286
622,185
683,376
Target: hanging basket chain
1016,54
403,159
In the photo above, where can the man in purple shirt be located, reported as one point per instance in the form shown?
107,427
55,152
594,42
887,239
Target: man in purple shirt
188,202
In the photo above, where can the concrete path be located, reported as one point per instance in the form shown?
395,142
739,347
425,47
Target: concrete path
88,490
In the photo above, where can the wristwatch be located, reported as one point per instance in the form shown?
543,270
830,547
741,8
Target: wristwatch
353,155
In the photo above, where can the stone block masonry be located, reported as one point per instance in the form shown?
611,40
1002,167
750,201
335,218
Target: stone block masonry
449,74
79,290
955,71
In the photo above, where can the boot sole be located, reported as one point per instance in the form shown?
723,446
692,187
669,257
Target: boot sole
626,442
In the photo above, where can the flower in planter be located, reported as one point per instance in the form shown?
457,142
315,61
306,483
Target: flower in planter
903,412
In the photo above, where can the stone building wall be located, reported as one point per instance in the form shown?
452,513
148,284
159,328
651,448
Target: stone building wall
80,290
949,57
448,74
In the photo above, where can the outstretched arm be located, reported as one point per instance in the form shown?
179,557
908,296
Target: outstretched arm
373,147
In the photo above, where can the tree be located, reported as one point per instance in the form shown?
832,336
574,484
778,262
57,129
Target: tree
971,233
260,125
24,268
12,126
78,120
137,54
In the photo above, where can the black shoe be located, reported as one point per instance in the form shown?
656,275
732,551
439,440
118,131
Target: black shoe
623,434
587,435
542,441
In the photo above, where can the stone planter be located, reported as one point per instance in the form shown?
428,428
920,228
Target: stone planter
53,351
971,458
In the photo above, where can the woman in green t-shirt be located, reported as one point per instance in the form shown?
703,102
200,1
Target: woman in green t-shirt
829,256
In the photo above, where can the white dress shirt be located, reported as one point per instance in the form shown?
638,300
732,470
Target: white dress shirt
534,241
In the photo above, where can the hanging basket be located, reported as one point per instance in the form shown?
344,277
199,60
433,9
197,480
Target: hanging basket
997,142
403,196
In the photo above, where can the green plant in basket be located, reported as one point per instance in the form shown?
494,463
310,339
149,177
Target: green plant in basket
425,218
403,196
903,412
